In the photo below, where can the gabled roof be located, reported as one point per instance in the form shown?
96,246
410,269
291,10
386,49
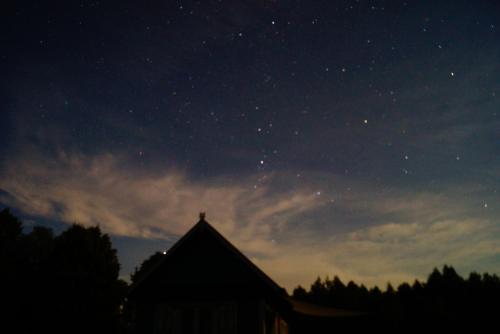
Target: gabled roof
203,227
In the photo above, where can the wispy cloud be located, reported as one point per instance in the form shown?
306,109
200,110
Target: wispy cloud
124,201
388,252
351,229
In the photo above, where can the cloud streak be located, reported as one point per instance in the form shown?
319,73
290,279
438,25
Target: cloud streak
352,229
99,190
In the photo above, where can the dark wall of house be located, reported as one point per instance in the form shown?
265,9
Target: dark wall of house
307,324
247,319
144,317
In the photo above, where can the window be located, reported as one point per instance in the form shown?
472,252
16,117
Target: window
196,318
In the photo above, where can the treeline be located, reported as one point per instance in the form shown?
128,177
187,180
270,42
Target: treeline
445,301
66,283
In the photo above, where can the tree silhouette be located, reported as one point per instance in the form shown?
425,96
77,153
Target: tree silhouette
445,302
146,266
85,272
11,266
67,283
10,227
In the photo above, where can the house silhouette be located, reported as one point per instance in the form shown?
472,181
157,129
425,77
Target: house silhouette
205,285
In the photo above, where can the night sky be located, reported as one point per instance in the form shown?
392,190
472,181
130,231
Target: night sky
351,138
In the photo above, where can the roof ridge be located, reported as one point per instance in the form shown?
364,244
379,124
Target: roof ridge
201,225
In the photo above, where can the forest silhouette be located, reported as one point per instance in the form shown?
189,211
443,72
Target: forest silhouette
70,282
